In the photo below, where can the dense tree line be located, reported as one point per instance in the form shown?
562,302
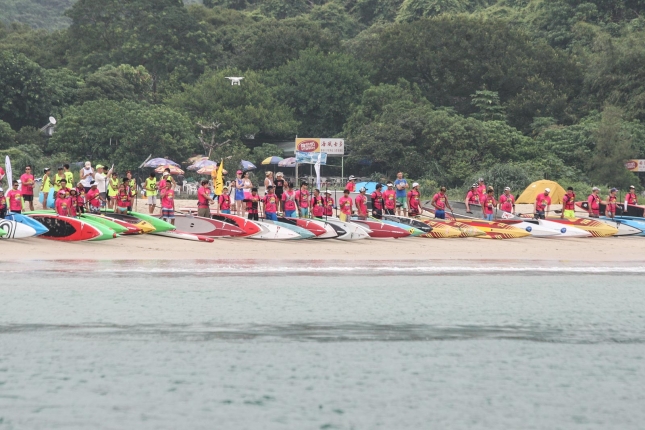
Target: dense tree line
444,90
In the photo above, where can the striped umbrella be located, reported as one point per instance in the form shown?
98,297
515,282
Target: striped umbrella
272,160
288,162
174,170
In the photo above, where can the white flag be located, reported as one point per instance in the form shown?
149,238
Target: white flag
317,168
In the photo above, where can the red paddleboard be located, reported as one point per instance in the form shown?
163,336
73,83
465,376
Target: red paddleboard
132,229
381,230
307,224
247,226
65,229
205,226
183,235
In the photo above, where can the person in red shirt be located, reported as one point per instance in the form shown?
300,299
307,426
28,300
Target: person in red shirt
270,204
289,201
413,200
361,203
472,198
630,197
377,202
481,189
63,203
94,198
122,199
3,204
14,197
317,204
489,204
440,203
80,198
507,201
72,197
389,197
569,204
329,204
345,204
542,204
302,200
224,205
594,203
253,205
168,203
351,184
610,209
27,187
204,200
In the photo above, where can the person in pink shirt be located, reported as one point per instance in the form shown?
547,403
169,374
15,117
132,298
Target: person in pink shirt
27,187
507,201
73,202
122,199
440,203
289,201
361,203
345,205
389,196
3,204
317,204
302,200
489,204
94,198
14,197
414,197
224,202
63,203
594,203
204,200
481,189
472,198
612,203
351,184
270,204
329,204
168,203
542,204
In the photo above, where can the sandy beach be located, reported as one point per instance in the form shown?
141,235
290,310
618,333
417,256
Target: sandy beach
150,247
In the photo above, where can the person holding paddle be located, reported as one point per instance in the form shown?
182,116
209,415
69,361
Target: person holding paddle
630,197
542,204
594,203
569,204
440,203
610,209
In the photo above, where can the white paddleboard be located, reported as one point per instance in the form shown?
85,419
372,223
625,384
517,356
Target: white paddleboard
329,233
352,231
7,168
623,229
536,230
186,236
274,232
16,230
565,230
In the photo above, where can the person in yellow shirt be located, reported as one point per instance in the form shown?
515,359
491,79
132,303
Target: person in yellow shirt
47,184
69,177
113,190
57,178
151,191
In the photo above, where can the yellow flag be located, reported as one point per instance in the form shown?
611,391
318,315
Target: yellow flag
218,180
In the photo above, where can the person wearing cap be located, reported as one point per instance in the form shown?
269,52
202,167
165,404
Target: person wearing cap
351,183
239,194
101,179
94,198
507,201
59,176
345,204
472,198
27,187
289,201
14,198
72,197
377,202
253,204
113,190
224,202
440,203
389,198
279,189
69,176
610,209
361,203
270,202
414,198
594,203
81,198
63,202
302,200
542,204
151,191
204,200
329,204
167,203
317,204
630,197
481,189
401,186
86,174
569,204
489,204
47,184
3,204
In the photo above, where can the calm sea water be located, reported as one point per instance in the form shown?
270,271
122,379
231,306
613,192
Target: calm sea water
258,345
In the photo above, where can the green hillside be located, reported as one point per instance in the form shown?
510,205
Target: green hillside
445,90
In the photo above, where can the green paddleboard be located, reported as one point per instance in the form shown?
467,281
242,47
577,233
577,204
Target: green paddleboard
106,232
159,225
118,229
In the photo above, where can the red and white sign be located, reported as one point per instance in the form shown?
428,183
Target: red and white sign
307,145
635,165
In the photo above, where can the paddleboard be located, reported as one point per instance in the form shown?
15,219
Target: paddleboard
495,230
273,232
24,219
106,232
536,230
144,226
65,229
2,233
189,223
425,228
159,225
303,232
635,222
107,222
8,172
352,231
415,232
464,229
314,227
624,229
247,226
176,234
381,230
444,229
632,210
16,230
595,227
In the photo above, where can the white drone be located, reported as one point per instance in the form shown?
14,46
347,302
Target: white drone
234,80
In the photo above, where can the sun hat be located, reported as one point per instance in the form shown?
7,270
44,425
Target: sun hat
507,189
614,190
46,169
100,166
239,172
390,184
547,190
481,179
1,190
328,192
363,189
473,186
352,177
61,193
416,184
631,186
165,174
595,189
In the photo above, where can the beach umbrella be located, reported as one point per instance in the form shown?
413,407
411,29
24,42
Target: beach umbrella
156,162
247,165
288,162
174,170
201,163
272,160
207,170
196,158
